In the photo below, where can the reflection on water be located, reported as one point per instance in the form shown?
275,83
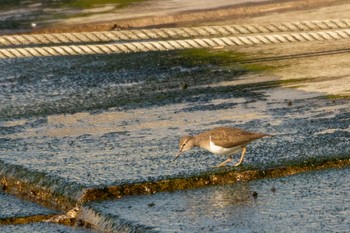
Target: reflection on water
307,202
224,201
226,197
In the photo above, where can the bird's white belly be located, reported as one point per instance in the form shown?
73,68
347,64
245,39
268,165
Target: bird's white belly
221,150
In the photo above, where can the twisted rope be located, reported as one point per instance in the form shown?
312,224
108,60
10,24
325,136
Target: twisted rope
171,33
174,44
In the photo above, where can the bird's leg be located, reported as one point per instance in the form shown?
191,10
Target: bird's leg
225,162
242,156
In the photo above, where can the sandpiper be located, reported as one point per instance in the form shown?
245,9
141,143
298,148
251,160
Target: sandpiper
222,141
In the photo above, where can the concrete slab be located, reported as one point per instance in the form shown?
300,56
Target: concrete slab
12,207
41,227
307,202
96,121
67,124
18,215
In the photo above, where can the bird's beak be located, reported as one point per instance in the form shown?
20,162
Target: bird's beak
177,154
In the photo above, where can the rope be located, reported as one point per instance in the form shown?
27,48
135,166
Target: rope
174,44
171,33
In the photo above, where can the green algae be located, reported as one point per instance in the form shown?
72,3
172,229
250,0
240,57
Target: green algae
9,3
227,59
335,97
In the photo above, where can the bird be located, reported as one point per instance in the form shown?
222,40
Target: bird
224,141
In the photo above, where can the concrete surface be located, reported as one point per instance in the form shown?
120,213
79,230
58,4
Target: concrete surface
70,123
308,202
41,228
18,215
130,116
12,207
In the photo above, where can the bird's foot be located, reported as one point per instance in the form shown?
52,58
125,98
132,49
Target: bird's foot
223,164
220,165
237,164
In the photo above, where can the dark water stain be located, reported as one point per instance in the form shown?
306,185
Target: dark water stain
47,86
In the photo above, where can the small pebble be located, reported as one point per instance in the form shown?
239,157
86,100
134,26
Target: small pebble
151,204
184,86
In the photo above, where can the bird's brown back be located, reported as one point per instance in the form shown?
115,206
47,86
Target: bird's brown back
227,137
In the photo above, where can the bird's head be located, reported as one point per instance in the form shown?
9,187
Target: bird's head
185,144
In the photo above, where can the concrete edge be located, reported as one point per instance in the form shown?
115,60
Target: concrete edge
109,223
212,177
25,220
39,187
54,192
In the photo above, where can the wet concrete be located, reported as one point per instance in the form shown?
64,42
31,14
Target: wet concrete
76,129
41,228
98,121
17,215
308,202
14,208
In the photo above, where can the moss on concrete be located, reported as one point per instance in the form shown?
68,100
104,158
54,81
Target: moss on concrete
227,59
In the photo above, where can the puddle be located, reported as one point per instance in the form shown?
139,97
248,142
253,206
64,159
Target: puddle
103,82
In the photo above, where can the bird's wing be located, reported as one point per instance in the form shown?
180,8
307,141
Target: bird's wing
231,137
